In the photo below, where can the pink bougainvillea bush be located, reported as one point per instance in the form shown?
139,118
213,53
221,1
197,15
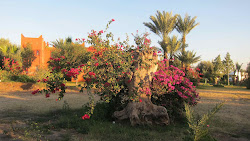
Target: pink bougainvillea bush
108,71
171,89
11,66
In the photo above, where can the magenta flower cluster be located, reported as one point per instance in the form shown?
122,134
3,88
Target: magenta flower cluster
171,80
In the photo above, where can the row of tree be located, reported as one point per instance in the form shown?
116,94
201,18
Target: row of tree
216,69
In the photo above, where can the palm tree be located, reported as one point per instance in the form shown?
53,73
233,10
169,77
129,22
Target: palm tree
188,58
11,51
184,26
238,68
4,50
162,24
61,42
173,46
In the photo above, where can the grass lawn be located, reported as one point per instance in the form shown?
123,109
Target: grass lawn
27,117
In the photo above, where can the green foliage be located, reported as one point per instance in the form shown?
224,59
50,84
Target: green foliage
207,69
218,67
173,46
75,54
22,78
188,57
9,50
199,127
247,81
177,63
6,76
184,26
228,66
41,73
28,57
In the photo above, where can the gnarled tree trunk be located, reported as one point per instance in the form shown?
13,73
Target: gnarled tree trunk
144,112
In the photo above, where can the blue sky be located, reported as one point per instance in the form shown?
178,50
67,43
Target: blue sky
224,24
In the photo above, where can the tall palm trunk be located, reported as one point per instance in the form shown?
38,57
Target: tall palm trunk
166,57
183,43
183,48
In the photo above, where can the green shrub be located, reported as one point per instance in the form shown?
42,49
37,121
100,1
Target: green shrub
41,73
247,83
21,78
8,76
4,76
218,85
199,126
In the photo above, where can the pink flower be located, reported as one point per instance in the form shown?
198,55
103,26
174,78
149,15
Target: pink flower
64,70
140,100
88,80
45,80
86,116
36,91
38,80
91,73
207,125
113,20
106,84
62,85
47,95
154,54
96,64
107,63
76,39
62,57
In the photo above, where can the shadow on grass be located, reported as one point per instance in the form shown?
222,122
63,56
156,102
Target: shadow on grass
27,86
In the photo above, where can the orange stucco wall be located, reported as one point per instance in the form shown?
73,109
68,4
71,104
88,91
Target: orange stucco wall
41,50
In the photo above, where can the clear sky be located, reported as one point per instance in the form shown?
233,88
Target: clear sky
224,24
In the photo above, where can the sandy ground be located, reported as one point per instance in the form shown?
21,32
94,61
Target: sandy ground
231,123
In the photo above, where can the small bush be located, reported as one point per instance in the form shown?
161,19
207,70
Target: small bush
219,85
8,76
41,73
199,126
21,78
247,83
4,76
